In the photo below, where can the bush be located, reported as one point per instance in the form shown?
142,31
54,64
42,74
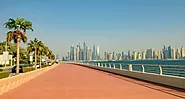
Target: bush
1,70
52,63
4,74
43,66
28,69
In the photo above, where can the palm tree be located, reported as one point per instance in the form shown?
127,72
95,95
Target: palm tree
41,51
17,27
33,46
52,57
47,53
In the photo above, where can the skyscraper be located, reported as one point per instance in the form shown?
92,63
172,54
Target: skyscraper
182,52
134,55
94,52
84,51
149,53
139,56
178,53
143,54
173,53
122,55
81,54
113,55
68,56
72,53
89,54
78,52
129,55
98,53
169,52
159,55
106,55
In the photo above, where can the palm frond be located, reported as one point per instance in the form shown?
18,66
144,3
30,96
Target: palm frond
10,36
11,24
23,38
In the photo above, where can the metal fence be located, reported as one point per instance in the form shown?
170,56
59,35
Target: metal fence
168,70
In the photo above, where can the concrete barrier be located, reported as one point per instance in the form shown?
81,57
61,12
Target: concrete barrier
177,82
9,83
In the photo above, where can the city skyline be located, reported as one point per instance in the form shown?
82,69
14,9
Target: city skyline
115,25
83,52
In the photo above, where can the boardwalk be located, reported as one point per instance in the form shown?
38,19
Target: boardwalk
68,81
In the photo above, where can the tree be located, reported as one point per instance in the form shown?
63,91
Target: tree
52,57
47,53
41,51
33,46
17,33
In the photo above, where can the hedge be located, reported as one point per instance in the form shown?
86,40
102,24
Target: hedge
43,66
4,74
28,69
1,70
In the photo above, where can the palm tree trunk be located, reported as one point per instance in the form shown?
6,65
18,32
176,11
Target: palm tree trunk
18,45
40,61
36,58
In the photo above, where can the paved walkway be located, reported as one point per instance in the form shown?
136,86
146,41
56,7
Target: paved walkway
68,81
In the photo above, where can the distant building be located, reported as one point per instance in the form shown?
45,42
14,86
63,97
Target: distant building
110,56
178,53
169,52
155,54
68,56
98,53
134,57
89,54
129,55
159,54
173,53
182,52
143,54
113,55
149,53
139,56
123,56
94,52
78,52
72,51
119,57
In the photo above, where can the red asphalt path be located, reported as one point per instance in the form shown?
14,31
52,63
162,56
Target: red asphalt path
68,81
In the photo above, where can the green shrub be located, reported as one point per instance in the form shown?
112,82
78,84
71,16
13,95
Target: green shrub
1,70
43,66
28,69
4,74
52,63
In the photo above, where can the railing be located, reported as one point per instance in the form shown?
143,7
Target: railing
168,70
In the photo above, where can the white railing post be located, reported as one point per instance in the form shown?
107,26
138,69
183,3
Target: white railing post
161,70
143,68
120,67
98,64
105,65
109,65
114,66
130,67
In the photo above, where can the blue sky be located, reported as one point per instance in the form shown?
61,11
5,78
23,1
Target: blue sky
114,25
